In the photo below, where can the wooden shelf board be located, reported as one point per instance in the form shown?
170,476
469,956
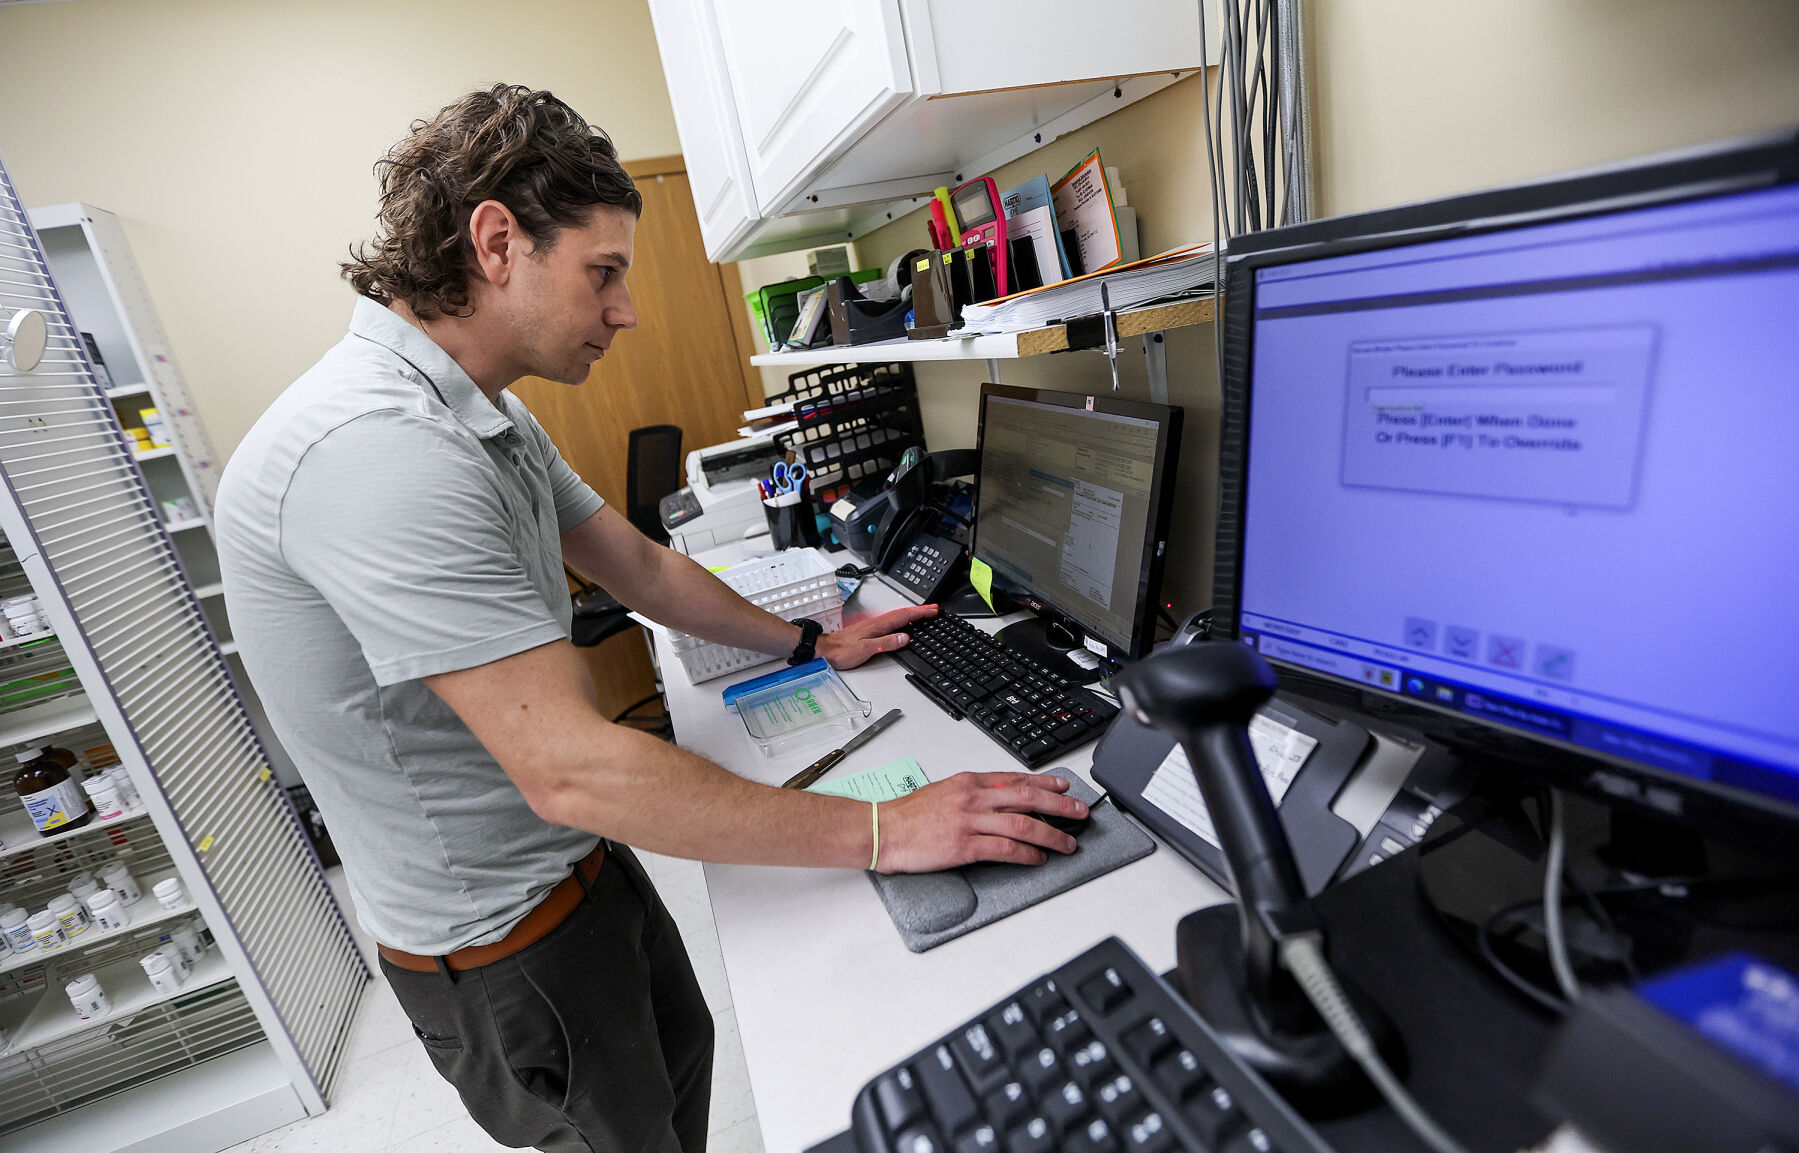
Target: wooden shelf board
154,453
139,389
184,525
992,346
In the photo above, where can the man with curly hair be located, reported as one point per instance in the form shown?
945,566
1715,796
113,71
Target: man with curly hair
392,534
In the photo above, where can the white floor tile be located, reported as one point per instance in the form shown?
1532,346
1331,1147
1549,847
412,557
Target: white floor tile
380,1023
743,1137
459,1136
732,1103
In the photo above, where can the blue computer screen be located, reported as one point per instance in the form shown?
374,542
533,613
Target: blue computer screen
1546,476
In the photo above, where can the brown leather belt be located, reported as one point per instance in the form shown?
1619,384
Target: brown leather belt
555,907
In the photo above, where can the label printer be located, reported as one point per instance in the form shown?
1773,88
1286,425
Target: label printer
721,502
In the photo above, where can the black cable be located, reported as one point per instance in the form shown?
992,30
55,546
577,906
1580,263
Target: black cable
1484,939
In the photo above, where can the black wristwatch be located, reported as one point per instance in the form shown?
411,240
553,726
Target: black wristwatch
810,631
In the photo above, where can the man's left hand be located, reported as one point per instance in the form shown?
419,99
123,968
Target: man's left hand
852,644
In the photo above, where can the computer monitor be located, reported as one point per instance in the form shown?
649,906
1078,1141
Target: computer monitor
1072,516
1518,469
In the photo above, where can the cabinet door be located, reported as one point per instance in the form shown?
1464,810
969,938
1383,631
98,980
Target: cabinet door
706,119
809,78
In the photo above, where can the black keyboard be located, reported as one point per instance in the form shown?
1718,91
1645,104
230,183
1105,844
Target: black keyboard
1099,1056
1034,713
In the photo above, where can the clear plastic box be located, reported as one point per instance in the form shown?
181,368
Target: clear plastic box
791,584
802,706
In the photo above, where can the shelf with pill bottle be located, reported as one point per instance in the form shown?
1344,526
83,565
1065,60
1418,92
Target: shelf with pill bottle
109,918
19,836
128,985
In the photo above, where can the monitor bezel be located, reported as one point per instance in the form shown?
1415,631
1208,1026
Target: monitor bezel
1168,421
1732,167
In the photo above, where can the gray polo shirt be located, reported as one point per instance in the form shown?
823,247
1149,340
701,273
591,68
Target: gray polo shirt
383,522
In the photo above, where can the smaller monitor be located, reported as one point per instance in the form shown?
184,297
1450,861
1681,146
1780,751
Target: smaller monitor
1072,516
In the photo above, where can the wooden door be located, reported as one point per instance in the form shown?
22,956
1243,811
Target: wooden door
686,363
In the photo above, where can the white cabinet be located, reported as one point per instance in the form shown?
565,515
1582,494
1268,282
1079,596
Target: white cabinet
706,118
806,87
809,121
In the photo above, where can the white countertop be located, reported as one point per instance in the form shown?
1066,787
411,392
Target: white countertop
825,992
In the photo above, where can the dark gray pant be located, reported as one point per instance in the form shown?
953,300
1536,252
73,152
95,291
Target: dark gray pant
596,1038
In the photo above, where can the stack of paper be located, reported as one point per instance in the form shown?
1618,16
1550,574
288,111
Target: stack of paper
1177,271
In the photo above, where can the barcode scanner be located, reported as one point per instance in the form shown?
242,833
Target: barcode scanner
1204,695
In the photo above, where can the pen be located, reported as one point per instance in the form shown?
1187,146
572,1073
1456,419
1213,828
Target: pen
809,775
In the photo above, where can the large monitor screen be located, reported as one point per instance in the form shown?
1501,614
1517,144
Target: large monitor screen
1545,476
1072,507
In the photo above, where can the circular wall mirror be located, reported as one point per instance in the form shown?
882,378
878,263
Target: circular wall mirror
26,336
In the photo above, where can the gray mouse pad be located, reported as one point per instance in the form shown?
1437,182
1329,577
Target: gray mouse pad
931,908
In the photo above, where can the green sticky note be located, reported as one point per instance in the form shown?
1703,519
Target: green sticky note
980,575
888,782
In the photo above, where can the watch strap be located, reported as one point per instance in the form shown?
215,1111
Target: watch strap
810,631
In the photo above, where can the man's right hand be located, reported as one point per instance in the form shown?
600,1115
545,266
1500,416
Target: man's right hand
975,817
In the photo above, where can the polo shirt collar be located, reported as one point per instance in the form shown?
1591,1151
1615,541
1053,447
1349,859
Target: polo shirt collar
439,371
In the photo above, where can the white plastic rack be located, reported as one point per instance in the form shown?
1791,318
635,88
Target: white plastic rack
135,676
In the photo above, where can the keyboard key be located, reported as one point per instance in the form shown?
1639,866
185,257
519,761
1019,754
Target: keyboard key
980,1139
1118,1099
896,1095
1249,1141
1148,1134
1067,1032
1068,731
978,1056
1012,1030
1034,1136
1042,1069
1043,1002
1213,1112
1148,1041
1092,1063
944,1090
919,1139
1007,1105
1106,991
1180,1073
1094,1137
1065,1105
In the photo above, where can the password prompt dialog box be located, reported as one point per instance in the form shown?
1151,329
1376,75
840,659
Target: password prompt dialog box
1551,416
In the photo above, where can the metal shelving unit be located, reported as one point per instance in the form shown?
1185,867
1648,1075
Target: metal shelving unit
108,299
135,675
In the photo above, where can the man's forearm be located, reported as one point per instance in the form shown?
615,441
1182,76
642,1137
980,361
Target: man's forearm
658,797
685,596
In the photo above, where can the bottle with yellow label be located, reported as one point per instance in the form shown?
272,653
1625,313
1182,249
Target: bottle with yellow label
55,802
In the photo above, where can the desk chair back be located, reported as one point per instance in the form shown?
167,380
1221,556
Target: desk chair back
652,471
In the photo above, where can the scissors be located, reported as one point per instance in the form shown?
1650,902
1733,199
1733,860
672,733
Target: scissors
789,477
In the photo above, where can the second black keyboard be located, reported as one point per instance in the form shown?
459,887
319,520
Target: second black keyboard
1032,712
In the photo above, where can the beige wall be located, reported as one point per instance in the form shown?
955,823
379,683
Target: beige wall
235,140
1412,99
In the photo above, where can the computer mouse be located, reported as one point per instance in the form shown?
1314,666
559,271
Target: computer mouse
1073,826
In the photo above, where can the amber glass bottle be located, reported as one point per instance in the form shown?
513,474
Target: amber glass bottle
55,802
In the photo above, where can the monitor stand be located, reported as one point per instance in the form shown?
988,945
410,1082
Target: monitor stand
1051,643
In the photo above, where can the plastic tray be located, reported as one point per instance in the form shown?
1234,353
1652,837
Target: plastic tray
805,705
791,584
